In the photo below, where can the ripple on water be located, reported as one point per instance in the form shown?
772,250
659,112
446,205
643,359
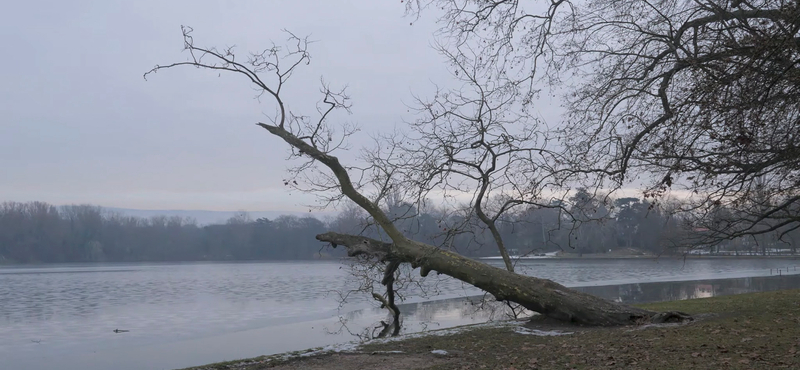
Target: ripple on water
63,309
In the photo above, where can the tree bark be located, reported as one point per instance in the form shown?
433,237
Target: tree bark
539,295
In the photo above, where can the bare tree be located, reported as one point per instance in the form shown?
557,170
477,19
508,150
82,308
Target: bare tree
694,97
312,141
476,142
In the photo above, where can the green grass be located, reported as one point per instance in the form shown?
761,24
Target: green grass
748,331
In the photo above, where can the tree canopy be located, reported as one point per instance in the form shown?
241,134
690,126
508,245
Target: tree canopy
698,98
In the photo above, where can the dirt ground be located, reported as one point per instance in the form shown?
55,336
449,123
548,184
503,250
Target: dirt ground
366,361
750,331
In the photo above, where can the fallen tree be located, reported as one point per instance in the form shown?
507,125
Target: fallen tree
539,295
314,141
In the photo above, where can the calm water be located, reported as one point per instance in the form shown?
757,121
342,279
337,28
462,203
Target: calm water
189,314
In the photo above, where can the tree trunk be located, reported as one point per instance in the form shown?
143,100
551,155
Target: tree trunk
539,295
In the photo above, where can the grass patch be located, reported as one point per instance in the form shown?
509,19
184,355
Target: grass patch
748,331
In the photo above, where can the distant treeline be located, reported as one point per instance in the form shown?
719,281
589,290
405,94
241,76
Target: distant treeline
38,232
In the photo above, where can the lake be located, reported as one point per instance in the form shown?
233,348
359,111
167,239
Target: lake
189,314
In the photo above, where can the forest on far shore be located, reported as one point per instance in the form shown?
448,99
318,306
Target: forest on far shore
37,232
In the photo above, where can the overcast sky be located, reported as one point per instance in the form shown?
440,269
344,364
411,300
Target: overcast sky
79,124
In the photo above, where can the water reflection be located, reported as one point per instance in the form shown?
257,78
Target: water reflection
417,317
673,291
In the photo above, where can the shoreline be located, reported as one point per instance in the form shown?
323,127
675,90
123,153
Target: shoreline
745,331
676,257
569,256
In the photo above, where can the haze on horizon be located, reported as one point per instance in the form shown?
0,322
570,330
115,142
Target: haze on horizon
81,125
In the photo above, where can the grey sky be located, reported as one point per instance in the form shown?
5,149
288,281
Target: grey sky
79,124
